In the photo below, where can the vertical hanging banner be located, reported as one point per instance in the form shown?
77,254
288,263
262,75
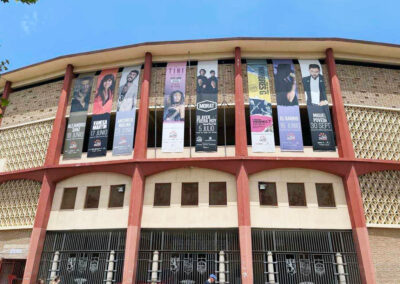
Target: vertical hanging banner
126,111
261,122
174,108
77,119
317,106
289,122
101,113
206,106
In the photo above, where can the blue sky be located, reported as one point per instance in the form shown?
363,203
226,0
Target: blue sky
50,28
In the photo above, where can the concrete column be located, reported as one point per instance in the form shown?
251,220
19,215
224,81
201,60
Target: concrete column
340,269
243,207
54,265
240,119
39,231
154,267
140,151
134,226
59,124
221,268
110,268
271,269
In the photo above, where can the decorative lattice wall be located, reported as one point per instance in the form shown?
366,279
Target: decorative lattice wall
32,104
375,133
25,147
18,203
369,86
381,197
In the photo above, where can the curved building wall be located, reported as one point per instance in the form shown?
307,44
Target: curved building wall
201,216
305,217
80,218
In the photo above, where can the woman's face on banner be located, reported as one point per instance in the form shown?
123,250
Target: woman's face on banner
107,84
177,97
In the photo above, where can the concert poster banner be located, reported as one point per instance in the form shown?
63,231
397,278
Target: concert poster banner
77,119
261,121
289,122
174,108
102,105
126,111
206,106
317,106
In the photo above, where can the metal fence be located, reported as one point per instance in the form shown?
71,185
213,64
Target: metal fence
83,256
188,256
304,256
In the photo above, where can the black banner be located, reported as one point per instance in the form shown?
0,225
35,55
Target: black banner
317,106
206,106
206,123
99,135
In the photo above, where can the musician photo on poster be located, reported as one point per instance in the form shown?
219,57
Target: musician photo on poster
128,88
319,115
103,99
81,94
207,77
175,107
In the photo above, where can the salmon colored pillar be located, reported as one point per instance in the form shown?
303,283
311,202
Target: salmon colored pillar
6,93
240,119
343,137
243,207
57,134
39,231
358,223
134,225
140,151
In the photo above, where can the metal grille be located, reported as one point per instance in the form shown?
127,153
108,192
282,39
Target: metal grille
84,256
305,256
188,256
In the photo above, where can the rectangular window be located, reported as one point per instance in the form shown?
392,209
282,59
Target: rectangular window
117,193
69,197
162,194
92,197
267,193
325,195
217,193
190,194
297,194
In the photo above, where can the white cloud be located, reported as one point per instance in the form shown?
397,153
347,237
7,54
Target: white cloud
29,22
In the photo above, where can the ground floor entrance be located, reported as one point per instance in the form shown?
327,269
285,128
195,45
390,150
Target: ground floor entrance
304,256
12,271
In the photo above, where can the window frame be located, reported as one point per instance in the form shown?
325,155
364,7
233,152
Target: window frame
62,198
183,183
274,192
155,191
209,193
86,197
304,194
332,191
109,196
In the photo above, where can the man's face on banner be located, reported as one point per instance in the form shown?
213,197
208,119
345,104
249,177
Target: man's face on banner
314,72
84,87
131,76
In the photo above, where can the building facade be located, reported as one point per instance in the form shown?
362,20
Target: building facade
76,203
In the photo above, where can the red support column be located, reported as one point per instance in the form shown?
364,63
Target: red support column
6,93
134,226
344,142
39,231
240,120
57,134
243,207
140,151
358,223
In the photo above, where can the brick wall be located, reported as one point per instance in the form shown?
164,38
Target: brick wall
369,86
385,248
32,104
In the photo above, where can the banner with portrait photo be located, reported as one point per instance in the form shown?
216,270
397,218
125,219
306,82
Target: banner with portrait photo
291,138
317,106
206,106
261,122
77,119
102,106
126,111
174,108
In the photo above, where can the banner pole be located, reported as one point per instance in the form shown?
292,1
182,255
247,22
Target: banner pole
190,116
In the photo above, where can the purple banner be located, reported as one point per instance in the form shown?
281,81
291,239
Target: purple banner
289,122
174,108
